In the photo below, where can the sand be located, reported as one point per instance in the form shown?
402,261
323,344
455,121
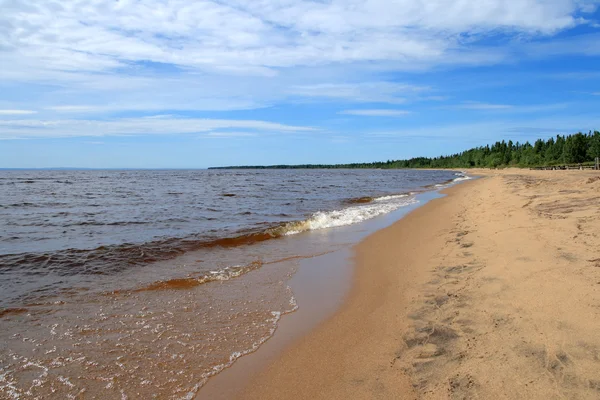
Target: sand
492,292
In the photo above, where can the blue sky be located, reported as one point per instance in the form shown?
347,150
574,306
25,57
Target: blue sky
191,84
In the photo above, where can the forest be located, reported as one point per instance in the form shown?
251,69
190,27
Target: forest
578,148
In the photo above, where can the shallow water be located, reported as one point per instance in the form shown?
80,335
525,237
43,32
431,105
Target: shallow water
145,283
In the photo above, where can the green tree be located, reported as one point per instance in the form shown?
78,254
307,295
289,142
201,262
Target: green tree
575,149
594,147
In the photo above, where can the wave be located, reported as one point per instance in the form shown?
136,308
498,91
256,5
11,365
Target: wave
460,176
83,223
392,197
360,200
346,216
224,274
12,311
108,259
116,258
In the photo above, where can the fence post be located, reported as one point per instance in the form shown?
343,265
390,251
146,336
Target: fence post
597,163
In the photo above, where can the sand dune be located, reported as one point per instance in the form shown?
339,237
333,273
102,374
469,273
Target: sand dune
492,292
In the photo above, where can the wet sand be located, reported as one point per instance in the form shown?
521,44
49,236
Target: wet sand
490,292
321,284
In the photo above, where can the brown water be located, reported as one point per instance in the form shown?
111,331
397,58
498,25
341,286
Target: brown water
154,308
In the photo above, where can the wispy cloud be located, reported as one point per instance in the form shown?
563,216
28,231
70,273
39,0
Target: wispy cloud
164,125
492,130
249,37
433,98
17,112
79,67
377,113
156,55
76,108
574,75
474,105
228,134
528,108
340,139
372,92
586,44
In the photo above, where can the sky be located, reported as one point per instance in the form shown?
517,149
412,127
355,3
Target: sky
193,84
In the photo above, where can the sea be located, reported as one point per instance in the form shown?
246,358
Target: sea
145,283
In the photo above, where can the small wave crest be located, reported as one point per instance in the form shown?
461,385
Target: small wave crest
391,197
360,200
224,274
12,311
460,176
345,216
116,258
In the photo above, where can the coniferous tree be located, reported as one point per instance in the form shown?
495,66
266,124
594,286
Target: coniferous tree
572,149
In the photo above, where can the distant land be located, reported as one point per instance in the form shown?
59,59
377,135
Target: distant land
98,169
571,149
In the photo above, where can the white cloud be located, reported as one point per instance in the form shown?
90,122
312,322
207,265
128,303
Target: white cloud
103,93
574,75
587,6
474,105
16,112
492,130
434,98
160,125
530,108
587,45
374,92
376,113
100,57
229,134
256,36
76,109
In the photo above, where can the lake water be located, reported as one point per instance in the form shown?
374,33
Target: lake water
117,284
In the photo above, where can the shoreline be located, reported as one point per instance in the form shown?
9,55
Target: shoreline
448,301
320,285
321,357
160,330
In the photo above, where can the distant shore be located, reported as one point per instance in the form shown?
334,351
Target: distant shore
490,292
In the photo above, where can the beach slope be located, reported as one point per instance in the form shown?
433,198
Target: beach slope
490,292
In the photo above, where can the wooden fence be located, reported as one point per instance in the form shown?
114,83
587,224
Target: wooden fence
595,166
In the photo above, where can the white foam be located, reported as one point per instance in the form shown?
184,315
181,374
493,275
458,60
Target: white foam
350,215
233,357
462,178
391,197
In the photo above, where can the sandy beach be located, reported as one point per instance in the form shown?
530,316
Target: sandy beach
490,292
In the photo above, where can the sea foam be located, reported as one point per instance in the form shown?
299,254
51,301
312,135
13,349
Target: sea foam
349,215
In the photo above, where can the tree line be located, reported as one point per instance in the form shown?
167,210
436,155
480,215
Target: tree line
578,148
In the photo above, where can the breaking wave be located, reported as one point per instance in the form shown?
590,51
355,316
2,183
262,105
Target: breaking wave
224,274
460,176
346,216
115,258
